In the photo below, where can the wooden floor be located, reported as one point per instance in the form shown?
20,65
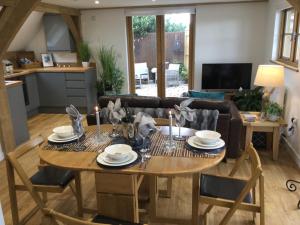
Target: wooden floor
280,203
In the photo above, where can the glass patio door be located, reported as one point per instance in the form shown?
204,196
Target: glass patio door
160,52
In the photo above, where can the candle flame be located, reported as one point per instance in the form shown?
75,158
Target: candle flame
97,108
170,112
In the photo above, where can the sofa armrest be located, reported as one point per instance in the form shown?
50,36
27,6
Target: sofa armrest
236,124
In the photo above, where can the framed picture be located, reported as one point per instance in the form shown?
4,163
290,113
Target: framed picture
47,60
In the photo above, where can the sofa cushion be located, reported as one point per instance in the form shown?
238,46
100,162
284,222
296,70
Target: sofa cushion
222,106
207,95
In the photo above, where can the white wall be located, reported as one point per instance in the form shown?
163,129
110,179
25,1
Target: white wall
31,36
292,78
229,33
108,28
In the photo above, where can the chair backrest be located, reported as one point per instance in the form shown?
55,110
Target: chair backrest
174,67
1,216
162,121
256,168
59,218
12,158
141,68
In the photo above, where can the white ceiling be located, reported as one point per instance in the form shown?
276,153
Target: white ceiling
83,4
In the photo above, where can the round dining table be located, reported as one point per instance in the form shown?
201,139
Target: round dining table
117,189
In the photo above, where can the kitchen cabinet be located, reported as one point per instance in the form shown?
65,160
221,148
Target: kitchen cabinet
52,91
18,113
33,104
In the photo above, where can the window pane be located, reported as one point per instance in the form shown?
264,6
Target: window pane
286,51
289,23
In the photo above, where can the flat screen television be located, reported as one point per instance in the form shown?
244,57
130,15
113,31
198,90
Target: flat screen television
226,76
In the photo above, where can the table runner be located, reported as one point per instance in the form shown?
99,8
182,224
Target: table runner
157,148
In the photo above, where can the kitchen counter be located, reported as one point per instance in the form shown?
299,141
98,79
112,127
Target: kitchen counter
24,72
11,83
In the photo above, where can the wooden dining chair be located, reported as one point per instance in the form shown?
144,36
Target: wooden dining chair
59,218
235,193
47,179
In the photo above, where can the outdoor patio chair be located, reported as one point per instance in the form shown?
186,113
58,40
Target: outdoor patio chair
141,72
172,75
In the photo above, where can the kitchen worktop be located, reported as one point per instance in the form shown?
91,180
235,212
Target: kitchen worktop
11,83
24,72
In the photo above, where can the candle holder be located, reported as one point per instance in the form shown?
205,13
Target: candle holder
170,145
100,138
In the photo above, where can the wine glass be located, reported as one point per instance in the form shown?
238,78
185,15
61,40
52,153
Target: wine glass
114,121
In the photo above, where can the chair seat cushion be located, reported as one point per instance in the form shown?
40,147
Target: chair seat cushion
48,175
108,220
222,187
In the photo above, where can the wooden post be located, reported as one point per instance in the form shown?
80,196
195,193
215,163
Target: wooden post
295,4
74,28
11,19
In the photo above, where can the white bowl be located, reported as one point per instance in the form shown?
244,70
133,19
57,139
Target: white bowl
208,136
64,131
117,151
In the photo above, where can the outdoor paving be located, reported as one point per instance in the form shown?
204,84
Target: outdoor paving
151,90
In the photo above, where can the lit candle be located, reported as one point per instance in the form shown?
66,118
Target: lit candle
170,126
98,119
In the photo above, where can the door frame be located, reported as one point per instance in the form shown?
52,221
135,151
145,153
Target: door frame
160,48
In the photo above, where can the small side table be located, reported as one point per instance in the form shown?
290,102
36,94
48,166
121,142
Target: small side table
263,126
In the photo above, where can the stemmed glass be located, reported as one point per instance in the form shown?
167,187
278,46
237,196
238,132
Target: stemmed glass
114,121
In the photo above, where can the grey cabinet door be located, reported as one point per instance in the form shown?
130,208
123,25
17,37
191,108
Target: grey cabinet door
52,89
33,92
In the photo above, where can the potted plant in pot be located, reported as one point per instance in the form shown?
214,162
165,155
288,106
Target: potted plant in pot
273,111
110,78
84,54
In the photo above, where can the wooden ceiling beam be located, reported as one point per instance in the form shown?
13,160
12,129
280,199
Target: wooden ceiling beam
11,20
295,4
7,2
73,26
49,8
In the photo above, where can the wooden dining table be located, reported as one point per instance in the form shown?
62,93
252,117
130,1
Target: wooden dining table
117,189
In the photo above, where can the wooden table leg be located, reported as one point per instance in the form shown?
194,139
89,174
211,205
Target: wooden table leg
153,197
276,138
249,134
195,198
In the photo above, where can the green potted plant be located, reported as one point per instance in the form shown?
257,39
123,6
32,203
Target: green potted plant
273,111
84,54
110,75
249,100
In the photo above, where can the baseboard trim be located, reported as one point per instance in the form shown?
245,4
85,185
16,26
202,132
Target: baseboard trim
292,151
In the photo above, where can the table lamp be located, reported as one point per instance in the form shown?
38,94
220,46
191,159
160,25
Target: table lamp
269,76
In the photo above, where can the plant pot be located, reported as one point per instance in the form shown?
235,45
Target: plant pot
272,118
85,64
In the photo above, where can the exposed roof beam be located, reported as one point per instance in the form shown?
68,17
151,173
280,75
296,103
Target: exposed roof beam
49,8
11,20
7,2
295,4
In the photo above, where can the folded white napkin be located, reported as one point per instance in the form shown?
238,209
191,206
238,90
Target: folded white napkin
183,112
115,111
76,119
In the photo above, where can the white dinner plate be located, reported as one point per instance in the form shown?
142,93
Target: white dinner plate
53,138
198,142
191,141
100,159
111,161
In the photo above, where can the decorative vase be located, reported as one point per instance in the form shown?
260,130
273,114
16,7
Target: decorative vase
85,64
272,118
128,130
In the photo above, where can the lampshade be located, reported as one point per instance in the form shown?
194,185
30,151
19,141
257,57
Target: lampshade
269,76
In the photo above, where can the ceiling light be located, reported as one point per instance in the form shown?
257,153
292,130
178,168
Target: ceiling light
153,0
97,2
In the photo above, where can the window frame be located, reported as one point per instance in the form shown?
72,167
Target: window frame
292,60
